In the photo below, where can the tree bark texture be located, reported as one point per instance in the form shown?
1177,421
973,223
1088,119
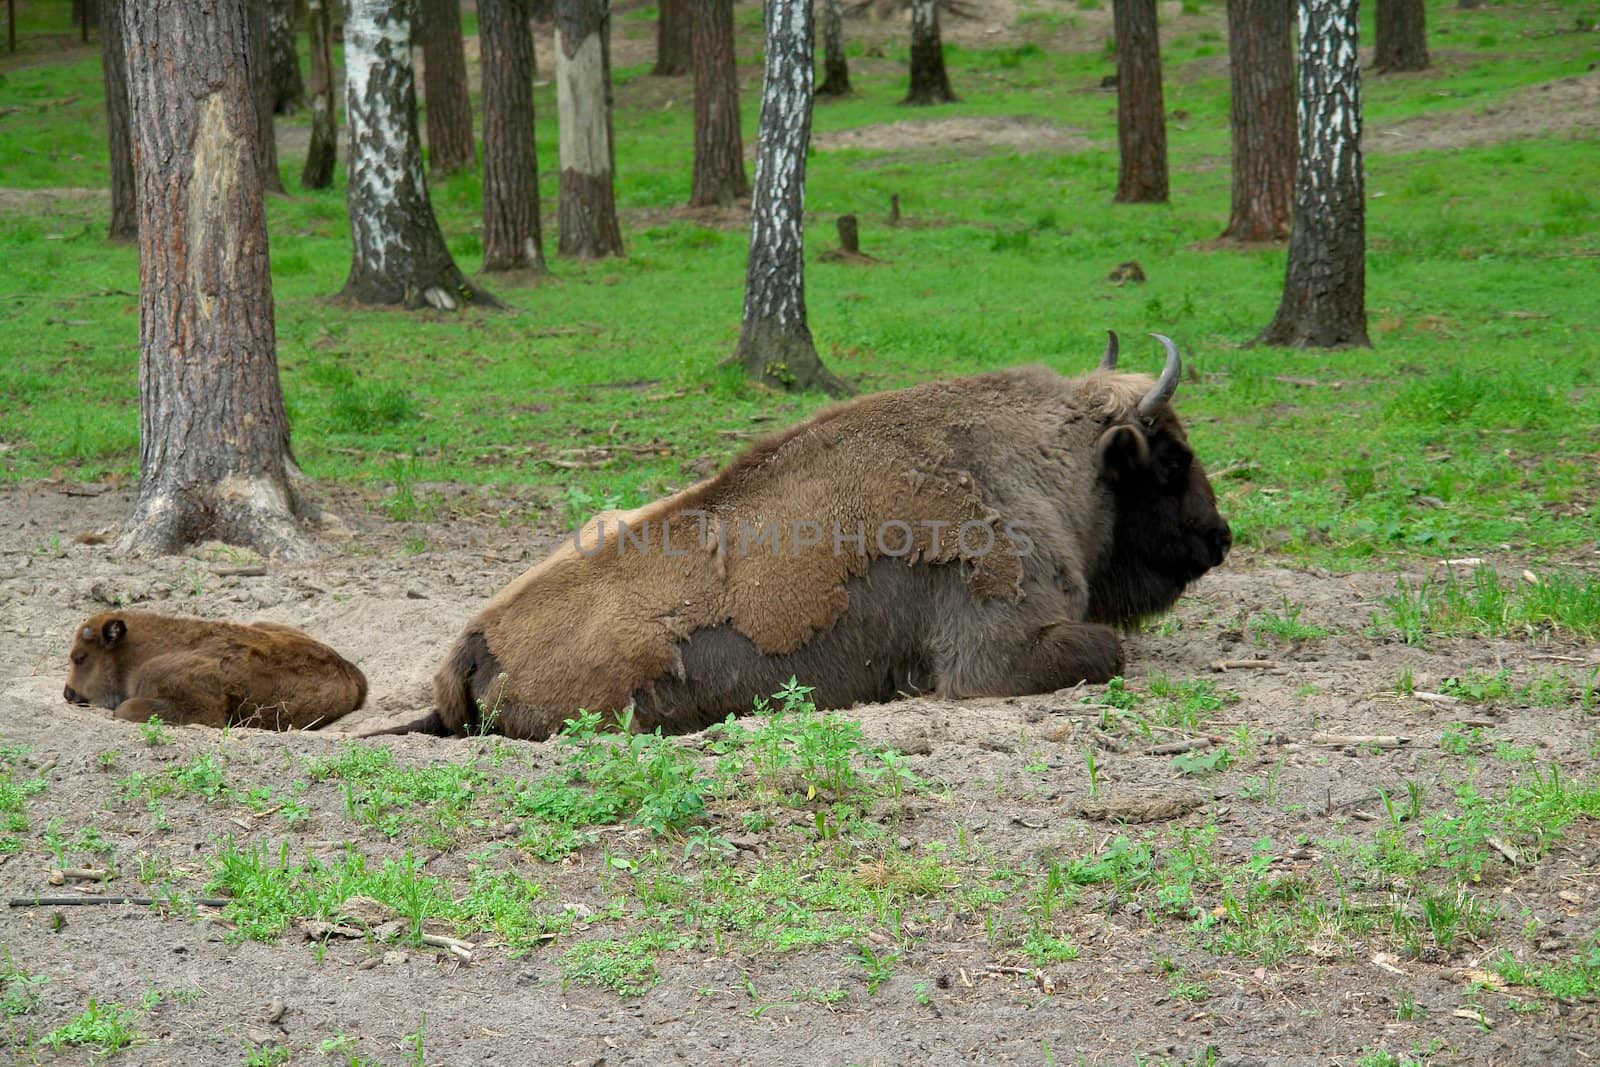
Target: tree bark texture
587,208
114,59
674,53
323,152
1324,289
775,343
835,70
511,236
1141,114
1261,66
258,35
719,175
213,436
400,256
1402,37
288,89
929,82
444,88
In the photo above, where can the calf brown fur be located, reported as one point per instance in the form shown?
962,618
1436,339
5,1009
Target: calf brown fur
194,671
1098,510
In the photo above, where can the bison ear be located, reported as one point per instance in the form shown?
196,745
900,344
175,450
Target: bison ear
1121,450
113,632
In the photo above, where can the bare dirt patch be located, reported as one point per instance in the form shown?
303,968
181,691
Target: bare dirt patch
1006,778
1019,134
1568,107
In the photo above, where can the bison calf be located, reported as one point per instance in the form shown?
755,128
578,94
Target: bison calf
976,537
195,671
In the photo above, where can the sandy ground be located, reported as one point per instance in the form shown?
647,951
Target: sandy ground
394,610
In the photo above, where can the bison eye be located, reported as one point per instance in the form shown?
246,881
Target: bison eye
78,658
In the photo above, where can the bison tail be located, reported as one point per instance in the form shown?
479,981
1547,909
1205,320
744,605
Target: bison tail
455,696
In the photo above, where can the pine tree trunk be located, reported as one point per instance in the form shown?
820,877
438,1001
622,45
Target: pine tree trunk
323,152
114,59
1402,36
288,90
213,436
400,256
511,236
1261,64
719,176
587,208
1324,289
835,71
1141,114
775,343
929,82
673,50
258,35
444,88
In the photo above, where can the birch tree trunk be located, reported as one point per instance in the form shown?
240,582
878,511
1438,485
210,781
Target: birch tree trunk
1261,67
1324,288
114,60
214,458
929,82
1402,37
1141,113
400,256
444,87
835,70
258,36
588,209
673,51
511,235
288,89
775,343
719,176
323,152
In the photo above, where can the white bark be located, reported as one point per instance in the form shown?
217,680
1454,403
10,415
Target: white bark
580,107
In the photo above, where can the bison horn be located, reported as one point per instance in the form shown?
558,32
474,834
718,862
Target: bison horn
1167,384
1109,360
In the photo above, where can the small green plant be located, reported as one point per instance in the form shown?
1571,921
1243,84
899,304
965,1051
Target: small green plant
101,1029
19,990
268,1055
1478,687
154,732
1287,625
878,965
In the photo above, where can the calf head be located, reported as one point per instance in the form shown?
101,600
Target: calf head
1165,531
95,671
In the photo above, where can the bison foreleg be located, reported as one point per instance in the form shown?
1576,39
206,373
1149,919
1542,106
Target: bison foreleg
1061,654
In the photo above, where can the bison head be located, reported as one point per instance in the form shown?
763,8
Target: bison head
1166,531
94,675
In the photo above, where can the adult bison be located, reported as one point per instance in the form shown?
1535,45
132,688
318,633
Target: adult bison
975,537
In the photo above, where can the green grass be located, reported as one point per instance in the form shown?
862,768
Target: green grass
1424,445
1485,605
102,1030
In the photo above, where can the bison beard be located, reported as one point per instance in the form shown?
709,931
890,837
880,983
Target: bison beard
1118,515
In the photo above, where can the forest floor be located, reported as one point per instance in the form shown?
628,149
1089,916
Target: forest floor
1380,849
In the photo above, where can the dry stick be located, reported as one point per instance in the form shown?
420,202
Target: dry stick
58,902
461,950
1226,665
1369,740
1435,698
80,874
1172,748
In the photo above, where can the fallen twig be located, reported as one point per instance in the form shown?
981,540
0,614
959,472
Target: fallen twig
1225,665
1435,698
58,902
1360,740
1173,748
80,874
461,950
256,571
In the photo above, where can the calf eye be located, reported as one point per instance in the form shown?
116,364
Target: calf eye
79,657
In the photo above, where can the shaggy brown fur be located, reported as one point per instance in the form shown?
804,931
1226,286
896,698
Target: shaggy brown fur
195,671
692,632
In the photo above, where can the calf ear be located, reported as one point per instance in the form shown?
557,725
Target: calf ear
113,632
1121,450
